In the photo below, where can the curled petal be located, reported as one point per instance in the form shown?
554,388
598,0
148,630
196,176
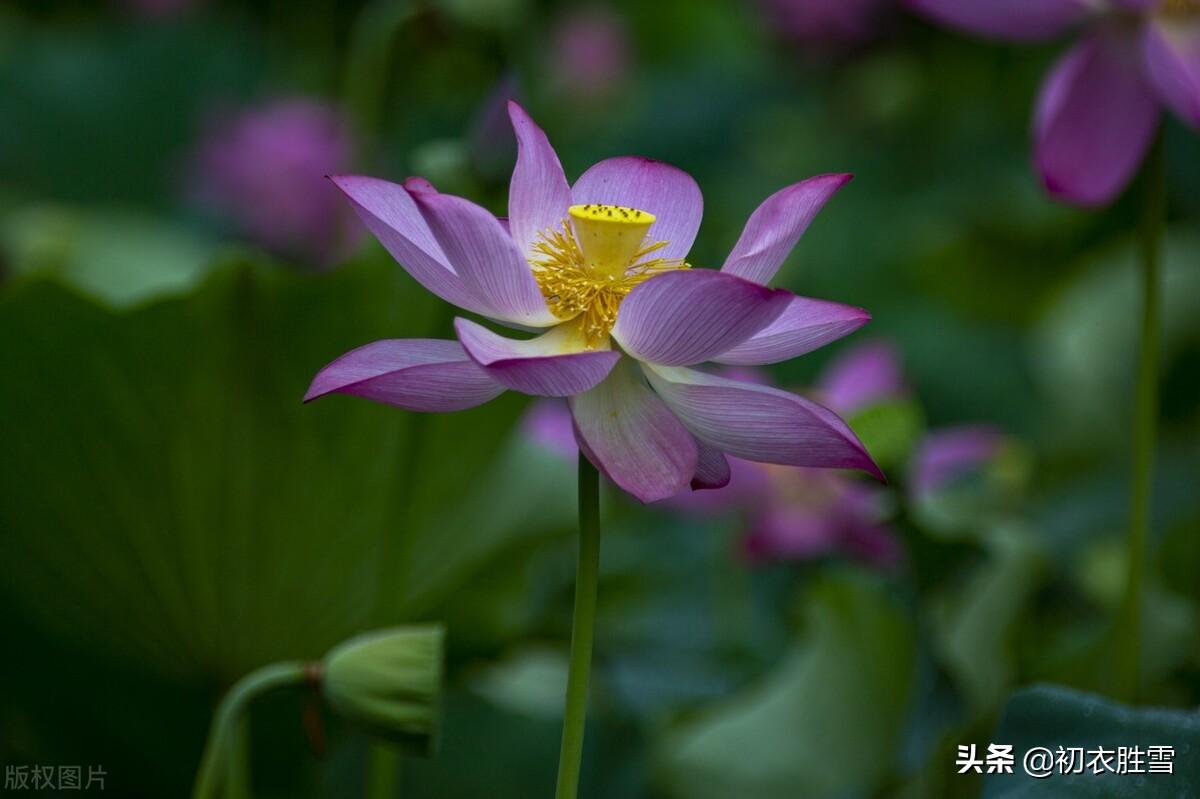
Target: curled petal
414,374
486,259
538,195
775,226
1022,20
418,184
1095,119
1172,54
389,212
555,364
690,316
632,436
712,468
804,326
665,191
759,423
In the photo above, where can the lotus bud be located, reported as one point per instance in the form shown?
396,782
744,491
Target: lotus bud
389,682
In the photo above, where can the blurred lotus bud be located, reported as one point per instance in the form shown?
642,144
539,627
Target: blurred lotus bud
263,171
589,53
949,456
826,25
389,682
861,376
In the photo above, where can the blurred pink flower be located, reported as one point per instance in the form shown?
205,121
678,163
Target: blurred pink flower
806,513
951,454
547,423
589,51
827,24
264,169
861,376
1100,105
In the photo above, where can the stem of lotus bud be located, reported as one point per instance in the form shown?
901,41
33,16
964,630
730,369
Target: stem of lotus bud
1128,629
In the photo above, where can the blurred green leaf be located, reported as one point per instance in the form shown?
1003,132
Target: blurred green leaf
120,258
825,723
1085,344
976,625
167,499
1052,716
889,430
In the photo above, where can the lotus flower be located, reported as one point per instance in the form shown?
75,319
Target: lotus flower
600,268
264,169
1100,105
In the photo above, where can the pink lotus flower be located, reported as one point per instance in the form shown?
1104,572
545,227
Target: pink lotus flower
1099,108
600,267
264,168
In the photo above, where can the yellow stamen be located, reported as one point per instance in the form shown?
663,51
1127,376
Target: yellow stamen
593,261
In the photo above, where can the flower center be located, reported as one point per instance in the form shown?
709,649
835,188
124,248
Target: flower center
589,265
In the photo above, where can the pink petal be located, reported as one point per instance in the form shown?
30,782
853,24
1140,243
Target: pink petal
712,468
1005,19
390,213
538,195
631,435
759,423
668,193
551,365
1095,119
415,374
804,326
690,316
775,226
1172,54
485,258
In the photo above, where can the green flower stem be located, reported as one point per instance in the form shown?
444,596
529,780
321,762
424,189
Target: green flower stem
1145,423
383,771
582,630
219,755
